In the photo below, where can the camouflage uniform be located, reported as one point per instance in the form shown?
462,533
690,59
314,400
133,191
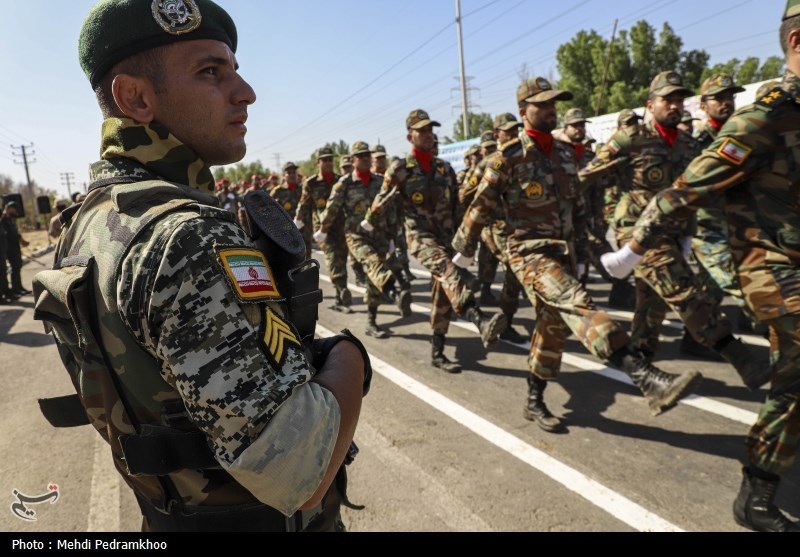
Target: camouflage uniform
754,163
288,196
146,268
663,278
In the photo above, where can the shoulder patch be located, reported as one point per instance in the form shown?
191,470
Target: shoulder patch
734,151
277,333
774,98
614,147
248,273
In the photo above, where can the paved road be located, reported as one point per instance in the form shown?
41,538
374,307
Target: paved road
439,452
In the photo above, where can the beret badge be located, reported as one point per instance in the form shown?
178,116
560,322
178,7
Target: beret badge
176,16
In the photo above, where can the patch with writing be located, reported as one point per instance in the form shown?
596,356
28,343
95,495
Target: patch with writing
176,17
249,274
417,198
491,176
655,175
277,333
497,165
534,191
734,151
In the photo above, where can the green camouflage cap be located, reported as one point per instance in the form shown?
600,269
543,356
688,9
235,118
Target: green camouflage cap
360,148
474,149
687,117
419,119
324,153
345,160
666,83
505,122
118,29
379,151
626,116
289,165
792,9
538,89
574,116
719,83
487,139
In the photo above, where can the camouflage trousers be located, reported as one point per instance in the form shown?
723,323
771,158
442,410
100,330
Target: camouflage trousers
773,440
378,272
664,281
449,291
335,249
496,240
487,262
400,253
562,305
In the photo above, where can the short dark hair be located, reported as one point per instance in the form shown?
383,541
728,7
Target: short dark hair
147,64
787,26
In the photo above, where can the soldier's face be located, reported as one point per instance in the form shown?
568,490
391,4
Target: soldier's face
503,136
423,138
363,162
290,176
204,100
486,151
540,116
379,163
667,111
326,165
576,132
721,106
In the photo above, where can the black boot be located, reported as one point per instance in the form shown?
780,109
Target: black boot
372,328
691,347
409,276
361,276
511,334
622,295
535,409
661,389
438,359
487,297
755,509
400,297
343,300
489,327
753,372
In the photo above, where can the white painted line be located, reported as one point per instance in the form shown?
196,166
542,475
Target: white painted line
702,403
606,499
104,502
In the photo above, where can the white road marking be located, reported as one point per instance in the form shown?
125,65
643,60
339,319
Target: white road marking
606,499
104,502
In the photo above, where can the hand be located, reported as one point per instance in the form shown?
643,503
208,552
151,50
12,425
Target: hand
319,236
462,261
620,264
367,226
397,170
299,224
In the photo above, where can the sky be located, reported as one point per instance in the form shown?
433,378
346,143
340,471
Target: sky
330,70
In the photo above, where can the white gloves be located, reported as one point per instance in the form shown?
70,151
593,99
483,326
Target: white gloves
580,269
299,224
461,260
367,226
319,236
686,248
391,247
620,264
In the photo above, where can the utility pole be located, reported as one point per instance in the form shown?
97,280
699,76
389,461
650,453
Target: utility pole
605,71
66,178
23,152
464,104
277,161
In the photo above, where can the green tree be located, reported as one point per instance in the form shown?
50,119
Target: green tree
772,68
478,123
241,171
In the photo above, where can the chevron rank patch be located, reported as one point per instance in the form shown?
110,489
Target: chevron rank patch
249,274
734,151
277,333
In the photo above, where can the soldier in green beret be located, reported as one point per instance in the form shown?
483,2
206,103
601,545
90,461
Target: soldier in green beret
184,356
754,165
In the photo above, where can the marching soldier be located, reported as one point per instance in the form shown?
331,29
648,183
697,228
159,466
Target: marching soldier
753,164
424,185
287,194
536,179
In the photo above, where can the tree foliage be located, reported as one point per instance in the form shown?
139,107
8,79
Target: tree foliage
478,123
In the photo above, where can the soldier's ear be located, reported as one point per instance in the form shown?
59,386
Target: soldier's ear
134,97
793,40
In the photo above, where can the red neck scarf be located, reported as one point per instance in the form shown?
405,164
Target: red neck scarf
291,187
365,177
579,148
669,135
328,176
543,139
714,124
424,158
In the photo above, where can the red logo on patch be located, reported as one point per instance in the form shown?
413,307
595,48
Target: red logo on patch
253,273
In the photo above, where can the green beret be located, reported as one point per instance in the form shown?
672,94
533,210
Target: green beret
118,29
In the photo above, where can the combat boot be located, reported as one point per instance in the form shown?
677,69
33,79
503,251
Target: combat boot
400,297
361,276
438,359
487,297
753,372
622,295
755,508
489,327
409,276
372,328
343,300
661,389
691,347
535,410
511,334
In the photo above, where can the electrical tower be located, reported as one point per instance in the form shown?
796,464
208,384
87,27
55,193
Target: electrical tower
67,178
